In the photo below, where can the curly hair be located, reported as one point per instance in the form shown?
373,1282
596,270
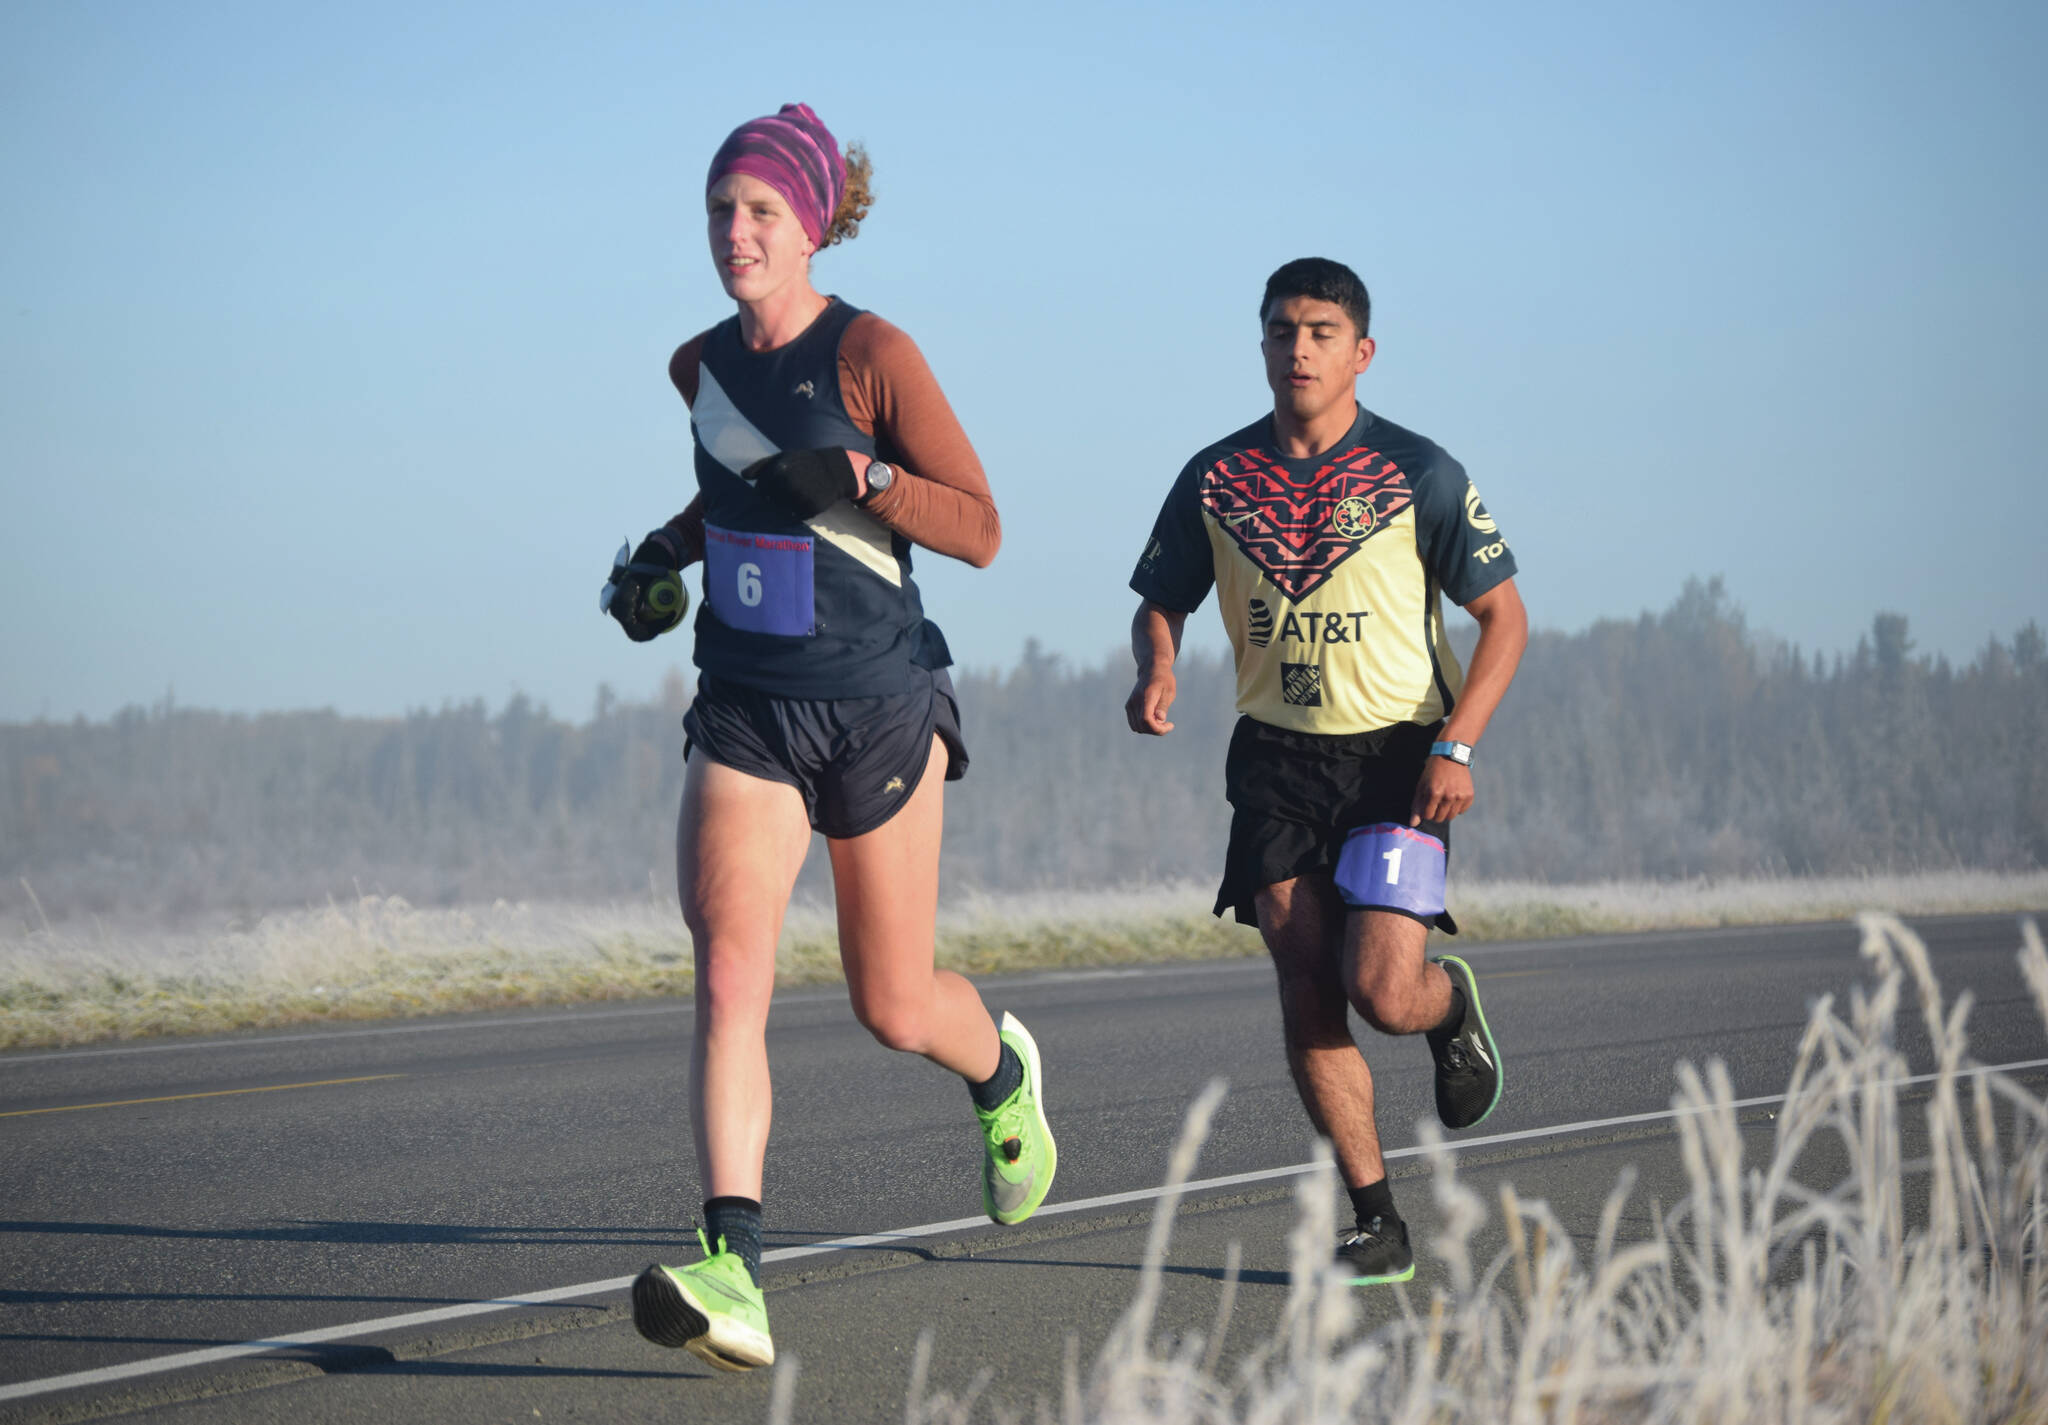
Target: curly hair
858,198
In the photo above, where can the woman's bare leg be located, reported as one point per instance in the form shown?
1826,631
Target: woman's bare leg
887,886
740,842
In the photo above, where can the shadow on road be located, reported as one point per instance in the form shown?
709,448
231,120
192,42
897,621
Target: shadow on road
59,1298
375,1360
412,1234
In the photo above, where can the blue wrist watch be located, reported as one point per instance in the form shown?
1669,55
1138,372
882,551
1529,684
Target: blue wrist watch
1458,752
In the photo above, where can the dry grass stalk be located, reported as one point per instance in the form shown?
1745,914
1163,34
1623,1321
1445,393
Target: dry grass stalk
1754,1299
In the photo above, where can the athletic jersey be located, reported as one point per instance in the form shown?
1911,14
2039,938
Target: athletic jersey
1328,571
817,608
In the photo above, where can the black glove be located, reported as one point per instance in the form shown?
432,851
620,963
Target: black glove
646,593
801,483
661,549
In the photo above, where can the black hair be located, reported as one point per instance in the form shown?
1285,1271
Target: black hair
1325,281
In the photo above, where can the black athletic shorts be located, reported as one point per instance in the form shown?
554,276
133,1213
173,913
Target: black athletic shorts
1294,796
855,760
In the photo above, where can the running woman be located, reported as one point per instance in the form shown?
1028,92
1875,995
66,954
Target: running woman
1328,533
824,451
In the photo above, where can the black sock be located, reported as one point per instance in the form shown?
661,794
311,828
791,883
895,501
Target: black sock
738,1221
991,1091
1373,1200
1454,1021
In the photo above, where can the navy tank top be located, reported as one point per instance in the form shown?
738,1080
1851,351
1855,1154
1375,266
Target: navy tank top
817,608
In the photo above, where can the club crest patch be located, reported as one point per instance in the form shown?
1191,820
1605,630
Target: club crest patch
1354,517
1298,528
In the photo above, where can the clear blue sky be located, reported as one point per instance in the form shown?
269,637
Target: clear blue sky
333,341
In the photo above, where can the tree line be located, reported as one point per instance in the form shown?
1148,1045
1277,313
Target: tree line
1676,744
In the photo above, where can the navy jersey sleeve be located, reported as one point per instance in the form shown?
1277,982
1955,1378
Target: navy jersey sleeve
1177,568
1456,537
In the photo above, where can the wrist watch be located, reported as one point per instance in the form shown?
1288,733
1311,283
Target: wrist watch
880,477
1458,752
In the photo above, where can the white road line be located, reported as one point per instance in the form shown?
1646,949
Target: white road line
157,1365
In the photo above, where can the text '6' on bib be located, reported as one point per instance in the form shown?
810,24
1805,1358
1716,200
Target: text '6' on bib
761,583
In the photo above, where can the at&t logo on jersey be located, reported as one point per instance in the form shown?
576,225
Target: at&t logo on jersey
1309,626
1314,626
1258,627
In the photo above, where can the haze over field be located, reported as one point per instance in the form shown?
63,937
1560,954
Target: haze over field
1679,745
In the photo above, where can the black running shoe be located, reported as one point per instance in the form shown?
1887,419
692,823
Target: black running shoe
1468,1071
1376,1253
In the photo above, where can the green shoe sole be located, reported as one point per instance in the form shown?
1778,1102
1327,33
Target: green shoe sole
665,1313
1388,1280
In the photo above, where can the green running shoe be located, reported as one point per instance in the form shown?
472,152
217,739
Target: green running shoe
1468,1069
713,1310
1021,1154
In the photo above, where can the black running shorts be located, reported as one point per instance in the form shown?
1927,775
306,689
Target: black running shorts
855,760
1294,796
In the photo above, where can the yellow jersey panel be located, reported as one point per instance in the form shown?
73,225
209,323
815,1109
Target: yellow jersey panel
1364,650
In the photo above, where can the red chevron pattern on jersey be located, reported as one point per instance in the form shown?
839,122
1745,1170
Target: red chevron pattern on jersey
1298,528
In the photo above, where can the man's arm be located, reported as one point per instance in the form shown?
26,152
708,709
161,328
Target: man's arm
1446,788
1155,643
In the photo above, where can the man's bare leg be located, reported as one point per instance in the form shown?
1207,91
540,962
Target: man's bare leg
1303,923
1329,960
1386,975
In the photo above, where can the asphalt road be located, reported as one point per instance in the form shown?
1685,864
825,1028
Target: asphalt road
370,1185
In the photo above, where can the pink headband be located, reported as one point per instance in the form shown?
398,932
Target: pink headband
795,154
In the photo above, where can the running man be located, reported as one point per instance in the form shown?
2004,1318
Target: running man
824,451
1328,533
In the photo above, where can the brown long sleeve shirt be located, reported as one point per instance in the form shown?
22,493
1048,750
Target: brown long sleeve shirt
940,498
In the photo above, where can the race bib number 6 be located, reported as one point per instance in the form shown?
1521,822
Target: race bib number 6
761,583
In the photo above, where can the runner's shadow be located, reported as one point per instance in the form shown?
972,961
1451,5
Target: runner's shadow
1252,1277
915,1247
62,1298
464,1368
575,1315
1256,1276
405,1234
378,1361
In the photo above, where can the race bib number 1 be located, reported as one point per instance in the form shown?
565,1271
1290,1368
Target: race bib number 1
761,583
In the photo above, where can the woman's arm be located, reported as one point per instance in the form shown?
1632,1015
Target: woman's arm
941,498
